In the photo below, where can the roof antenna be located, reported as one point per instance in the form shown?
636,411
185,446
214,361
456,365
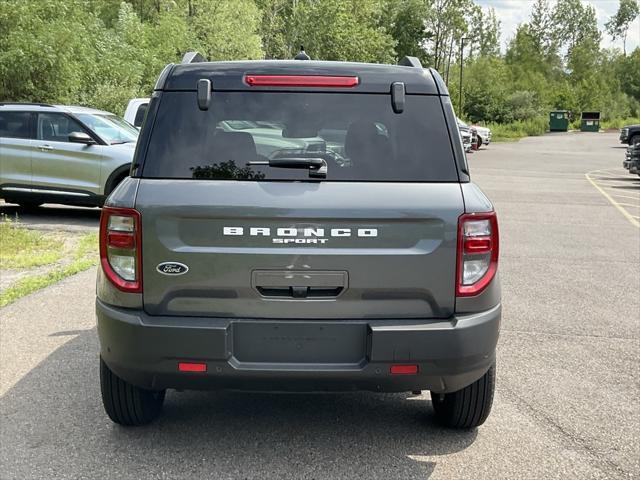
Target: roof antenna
302,55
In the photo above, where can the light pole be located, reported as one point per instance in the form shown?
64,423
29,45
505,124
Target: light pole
462,40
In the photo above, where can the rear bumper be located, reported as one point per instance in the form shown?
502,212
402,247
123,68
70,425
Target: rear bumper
291,355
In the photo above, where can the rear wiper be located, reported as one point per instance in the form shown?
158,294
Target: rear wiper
317,166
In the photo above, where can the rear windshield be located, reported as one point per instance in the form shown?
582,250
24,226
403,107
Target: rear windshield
358,135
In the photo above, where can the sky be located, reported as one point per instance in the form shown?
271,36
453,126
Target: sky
513,12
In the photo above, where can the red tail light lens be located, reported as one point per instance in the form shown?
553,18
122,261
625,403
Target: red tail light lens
478,243
120,244
300,81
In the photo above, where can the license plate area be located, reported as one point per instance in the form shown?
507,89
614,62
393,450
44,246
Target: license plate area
299,342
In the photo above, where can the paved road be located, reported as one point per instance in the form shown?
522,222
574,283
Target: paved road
567,404
54,217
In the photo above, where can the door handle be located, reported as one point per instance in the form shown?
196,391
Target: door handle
45,148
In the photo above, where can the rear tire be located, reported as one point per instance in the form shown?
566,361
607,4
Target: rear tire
125,403
469,407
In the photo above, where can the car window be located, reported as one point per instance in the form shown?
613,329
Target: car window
110,128
15,124
56,127
358,135
142,109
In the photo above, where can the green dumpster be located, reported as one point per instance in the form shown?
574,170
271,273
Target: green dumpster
559,121
590,122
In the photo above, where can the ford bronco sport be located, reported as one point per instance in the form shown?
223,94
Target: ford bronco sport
366,263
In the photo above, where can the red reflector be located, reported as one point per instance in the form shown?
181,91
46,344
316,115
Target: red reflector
121,240
300,81
192,367
404,369
477,245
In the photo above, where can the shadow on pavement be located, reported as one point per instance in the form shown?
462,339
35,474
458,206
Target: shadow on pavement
54,217
53,425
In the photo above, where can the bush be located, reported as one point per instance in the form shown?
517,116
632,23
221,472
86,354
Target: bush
518,129
618,123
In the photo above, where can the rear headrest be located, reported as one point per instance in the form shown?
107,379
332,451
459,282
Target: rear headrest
361,135
238,147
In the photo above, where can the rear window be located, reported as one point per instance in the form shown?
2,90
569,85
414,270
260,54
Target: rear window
15,124
358,135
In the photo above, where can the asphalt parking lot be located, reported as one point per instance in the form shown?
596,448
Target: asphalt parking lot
567,402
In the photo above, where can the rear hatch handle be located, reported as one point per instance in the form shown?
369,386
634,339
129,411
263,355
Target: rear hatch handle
299,284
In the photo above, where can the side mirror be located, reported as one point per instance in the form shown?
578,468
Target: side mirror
81,137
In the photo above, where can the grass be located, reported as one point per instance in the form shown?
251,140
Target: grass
618,123
510,132
22,248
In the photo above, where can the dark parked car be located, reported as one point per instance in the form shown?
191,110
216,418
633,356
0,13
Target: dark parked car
372,270
630,134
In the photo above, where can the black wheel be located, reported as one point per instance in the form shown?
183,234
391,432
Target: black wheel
116,181
469,407
479,144
634,140
127,404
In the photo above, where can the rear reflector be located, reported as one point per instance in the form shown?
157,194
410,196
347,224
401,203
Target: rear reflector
192,367
404,369
300,81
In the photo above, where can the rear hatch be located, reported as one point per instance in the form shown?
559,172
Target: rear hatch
227,235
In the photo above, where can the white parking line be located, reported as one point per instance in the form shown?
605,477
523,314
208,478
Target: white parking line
632,218
625,196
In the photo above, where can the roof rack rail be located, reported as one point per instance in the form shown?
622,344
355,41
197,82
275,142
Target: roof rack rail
33,104
410,62
193,57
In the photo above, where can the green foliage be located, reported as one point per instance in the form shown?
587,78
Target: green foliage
504,132
102,53
618,25
344,30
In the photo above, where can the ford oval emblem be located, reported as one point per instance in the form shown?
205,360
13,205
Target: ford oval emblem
172,268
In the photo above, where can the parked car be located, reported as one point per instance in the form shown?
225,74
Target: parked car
632,159
630,134
483,134
268,136
466,135
474,138
136,110
62,154
223,269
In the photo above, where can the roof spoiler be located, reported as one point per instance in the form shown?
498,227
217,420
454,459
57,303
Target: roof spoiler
410,62
193,57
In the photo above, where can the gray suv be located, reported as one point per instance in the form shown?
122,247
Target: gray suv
367,264
61,154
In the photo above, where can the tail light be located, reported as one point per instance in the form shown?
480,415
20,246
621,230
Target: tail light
120,248
477,252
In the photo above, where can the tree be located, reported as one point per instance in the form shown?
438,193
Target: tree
484,33
618,25
227,29
573,22
406,22
348,30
